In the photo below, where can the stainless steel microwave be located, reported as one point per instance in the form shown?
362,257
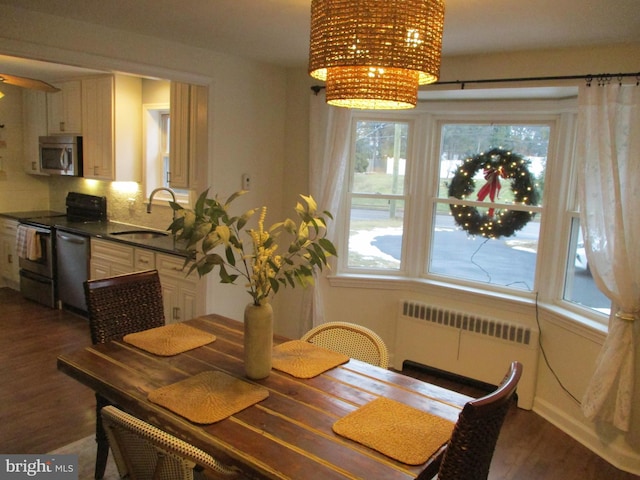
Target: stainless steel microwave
61,155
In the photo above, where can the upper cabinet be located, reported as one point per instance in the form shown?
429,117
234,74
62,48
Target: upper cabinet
108,111
112,128
179,134
64,110
188,131
34,121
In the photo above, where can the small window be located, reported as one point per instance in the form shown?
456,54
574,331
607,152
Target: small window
579,286
157,142
165,121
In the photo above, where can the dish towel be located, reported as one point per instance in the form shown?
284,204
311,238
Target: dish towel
28,243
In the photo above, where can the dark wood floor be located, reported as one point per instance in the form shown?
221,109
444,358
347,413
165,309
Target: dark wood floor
43,409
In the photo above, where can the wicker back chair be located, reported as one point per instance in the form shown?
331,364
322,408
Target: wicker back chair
124,304
350,339
469,452
142,451
118,306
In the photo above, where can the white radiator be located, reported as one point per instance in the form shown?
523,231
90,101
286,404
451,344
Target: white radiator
468,345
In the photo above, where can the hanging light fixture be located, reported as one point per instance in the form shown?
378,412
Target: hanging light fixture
373,54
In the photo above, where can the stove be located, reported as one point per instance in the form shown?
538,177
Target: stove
80,207
36,243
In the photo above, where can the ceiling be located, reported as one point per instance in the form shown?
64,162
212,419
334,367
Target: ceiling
277,31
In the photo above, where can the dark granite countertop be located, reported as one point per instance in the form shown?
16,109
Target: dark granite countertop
105,230
31,214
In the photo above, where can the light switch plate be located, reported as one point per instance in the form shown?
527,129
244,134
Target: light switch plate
246,181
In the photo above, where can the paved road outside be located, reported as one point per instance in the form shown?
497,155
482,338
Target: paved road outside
508,261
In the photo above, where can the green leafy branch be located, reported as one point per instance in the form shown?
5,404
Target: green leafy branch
214,239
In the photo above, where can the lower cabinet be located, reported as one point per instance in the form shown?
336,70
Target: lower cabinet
180,293
9,267
110,258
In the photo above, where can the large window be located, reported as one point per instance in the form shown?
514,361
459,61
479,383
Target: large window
469,198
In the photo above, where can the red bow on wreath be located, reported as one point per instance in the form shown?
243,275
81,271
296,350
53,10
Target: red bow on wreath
492,187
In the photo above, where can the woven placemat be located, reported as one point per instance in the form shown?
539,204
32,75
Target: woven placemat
397,430
169,339
305,360
208,397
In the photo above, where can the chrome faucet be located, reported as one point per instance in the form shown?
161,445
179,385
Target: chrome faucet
166,189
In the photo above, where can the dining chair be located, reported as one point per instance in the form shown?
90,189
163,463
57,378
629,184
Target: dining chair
142,451
117,306
350,339
469,452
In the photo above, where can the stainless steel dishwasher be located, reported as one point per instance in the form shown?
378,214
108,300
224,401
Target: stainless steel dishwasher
72,252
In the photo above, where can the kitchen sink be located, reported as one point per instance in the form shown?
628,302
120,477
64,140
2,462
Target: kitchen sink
140,234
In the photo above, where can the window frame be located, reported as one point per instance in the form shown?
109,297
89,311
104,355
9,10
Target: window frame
506,118
348,195
558,204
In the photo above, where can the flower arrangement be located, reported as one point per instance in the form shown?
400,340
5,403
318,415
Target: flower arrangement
265,267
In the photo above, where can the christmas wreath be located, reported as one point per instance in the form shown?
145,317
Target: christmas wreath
496,163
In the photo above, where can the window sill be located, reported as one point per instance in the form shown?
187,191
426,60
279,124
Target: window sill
569,320
392,282
575,323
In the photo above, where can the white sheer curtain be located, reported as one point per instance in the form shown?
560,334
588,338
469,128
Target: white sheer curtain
329,143
608,152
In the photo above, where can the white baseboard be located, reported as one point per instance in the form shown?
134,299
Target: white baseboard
616,452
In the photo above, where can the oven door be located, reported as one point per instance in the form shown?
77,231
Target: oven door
32,259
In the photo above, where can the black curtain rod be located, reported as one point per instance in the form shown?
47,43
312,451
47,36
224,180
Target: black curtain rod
601,78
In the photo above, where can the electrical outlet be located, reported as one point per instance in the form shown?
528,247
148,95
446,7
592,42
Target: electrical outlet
246,182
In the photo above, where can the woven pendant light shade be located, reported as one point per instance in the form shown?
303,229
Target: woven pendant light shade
373,54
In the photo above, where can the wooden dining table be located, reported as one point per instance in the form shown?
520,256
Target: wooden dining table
288,435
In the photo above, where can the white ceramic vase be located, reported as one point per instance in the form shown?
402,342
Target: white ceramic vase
258,340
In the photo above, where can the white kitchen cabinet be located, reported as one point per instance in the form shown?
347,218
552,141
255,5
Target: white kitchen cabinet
179,135
179,292
188,154
181,296
9,267
198,137
112,128
144,259
34,121
110,258
64,109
